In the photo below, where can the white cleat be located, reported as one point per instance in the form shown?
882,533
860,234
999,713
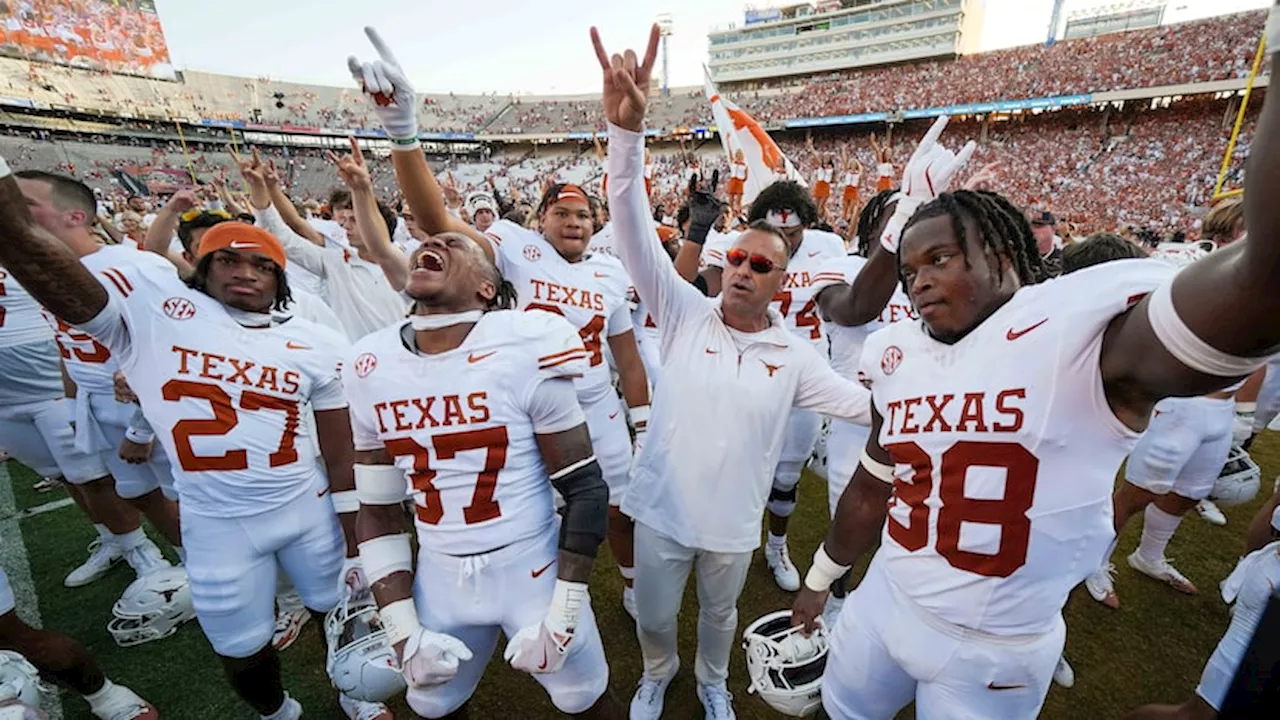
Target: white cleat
784,572
717,701
1162,571
362,710
1210,513
1063,675
289,624
647,703
121,703
290,710
1102,586
629,602
146,558
101,557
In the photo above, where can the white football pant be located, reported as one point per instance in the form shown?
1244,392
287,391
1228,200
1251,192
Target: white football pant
41,435
1184,448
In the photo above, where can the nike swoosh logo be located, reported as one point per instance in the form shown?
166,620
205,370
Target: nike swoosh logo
296,346
815,254
239,245
993,686
474,358
600,275
323,492
1014,335
538,572
614,415
543,666
712,352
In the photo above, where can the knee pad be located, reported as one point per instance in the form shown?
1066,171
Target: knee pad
782,502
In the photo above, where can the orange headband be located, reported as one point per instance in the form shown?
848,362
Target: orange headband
241,237
571,192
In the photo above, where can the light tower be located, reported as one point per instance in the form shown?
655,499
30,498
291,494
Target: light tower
665,27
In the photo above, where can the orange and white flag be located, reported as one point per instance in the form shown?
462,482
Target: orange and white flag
739,131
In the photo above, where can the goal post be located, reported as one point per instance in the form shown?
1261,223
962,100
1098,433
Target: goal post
1218,192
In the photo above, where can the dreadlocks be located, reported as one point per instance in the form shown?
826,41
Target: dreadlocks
199,278
869,218
1000,225
505,297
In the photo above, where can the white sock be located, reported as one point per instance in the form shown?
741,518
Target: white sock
281,714
289,600
96,700
1158,527
105,535
132,539
777,541
627,573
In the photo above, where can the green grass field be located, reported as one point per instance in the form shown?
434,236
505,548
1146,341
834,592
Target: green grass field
1151,650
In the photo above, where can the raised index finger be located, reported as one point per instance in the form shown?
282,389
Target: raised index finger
935,131
384,52
601,55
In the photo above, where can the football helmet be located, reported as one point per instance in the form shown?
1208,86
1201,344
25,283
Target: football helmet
785,667
19,680
360,660
152,607
1239,480
818,460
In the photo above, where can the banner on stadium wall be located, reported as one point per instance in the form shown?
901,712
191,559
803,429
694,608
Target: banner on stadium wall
222,123
115,36
739,131
968,109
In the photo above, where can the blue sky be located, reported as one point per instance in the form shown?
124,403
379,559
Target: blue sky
469,46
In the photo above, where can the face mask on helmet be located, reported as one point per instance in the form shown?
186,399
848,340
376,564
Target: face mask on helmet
361,662
785,667
152,608
1239,480
818,460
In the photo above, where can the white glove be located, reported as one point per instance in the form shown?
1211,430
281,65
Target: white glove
385,84
542,648
928,174
432,658
354,582
638,443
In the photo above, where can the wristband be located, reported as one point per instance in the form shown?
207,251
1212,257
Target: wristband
385,555
907,207
824,571
878,470
381,484
639,417
410,143
399,619
141,437
346,501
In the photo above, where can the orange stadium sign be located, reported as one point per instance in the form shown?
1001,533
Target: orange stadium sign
121,36
739,131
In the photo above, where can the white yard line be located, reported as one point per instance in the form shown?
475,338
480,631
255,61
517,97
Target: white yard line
13,557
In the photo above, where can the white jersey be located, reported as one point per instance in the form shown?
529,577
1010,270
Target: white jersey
1180,255
590,294
462,424
1005,451
223,399
847,342
795,302
20,317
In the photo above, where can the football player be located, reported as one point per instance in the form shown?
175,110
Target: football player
222,381
551,271
1001,418
476,404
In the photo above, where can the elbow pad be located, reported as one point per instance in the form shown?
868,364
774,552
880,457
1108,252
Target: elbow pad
586,514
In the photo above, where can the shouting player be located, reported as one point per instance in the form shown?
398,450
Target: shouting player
551,271
1001,417
476,404
221,382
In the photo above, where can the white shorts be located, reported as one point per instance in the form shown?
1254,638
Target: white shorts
232,566
41,435
475,597
887,651
6,594
1184,447
844,451
611,441
111,420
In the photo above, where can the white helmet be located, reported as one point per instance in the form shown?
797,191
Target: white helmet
360,661
818,460
785,667
1239,480
19,680
152,607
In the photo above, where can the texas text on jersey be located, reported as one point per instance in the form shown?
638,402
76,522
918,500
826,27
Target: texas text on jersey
223,399
464,430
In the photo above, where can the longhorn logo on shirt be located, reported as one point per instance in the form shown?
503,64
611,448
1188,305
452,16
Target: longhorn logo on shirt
891,360
771,368
532,253
365,364
179,308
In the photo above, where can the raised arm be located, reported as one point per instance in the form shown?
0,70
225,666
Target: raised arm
648,265
377,241
284,205
165,226
1219,318
395,103
41,263
297,249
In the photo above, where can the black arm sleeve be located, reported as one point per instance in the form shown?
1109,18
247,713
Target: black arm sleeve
586,512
